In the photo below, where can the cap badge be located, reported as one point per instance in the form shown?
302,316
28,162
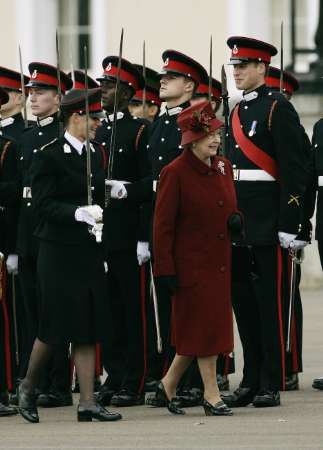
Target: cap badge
34,74
235,50
109,67
166,62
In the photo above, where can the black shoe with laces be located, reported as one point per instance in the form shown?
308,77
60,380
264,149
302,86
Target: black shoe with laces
242,396
125,397
55,399
266,398
187,398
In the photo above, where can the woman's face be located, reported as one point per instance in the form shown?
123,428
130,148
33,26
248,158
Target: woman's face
207,146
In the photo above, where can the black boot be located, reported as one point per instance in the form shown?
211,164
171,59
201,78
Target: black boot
27,405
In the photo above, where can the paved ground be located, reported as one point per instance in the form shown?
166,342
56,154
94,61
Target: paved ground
296,425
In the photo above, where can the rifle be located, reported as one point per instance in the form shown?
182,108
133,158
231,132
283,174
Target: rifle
114,126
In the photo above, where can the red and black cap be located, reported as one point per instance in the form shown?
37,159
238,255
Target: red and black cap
203,89
197,121
74,102
4,97
179,64
290,83
129,75
79,80
10,79
246,49
152,87
45,76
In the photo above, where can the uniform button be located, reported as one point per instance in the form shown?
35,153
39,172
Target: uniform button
147,146
40,133
28,204
162,139
270,93
223,269
221,236
35,150
166,122
178,129
220,202
21,158
246,107
160,158
236,146
108,127
234,166
92,188
103,143
316,145
120,150
241,126
227,134
180,146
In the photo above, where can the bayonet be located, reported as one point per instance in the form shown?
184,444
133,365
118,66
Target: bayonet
144,76
210,69
23,90
226,111
281,79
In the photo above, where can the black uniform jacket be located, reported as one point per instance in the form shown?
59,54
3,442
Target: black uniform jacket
14,126
271,206
59,186
126,221
33,138
317,142
9,194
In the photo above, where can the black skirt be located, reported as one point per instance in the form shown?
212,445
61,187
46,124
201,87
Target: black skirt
72,292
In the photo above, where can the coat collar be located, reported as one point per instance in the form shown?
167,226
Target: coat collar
253,95
199,165
47,120
176,109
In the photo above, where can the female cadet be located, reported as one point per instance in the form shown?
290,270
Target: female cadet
70,262
196,205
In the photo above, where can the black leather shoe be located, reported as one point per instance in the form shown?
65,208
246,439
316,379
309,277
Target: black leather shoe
266,399
161,398
151,385
242,396
292,382
318,383
27,405
188,398
103,397
223,382
55,399
98,412
127,398
7,410
219,409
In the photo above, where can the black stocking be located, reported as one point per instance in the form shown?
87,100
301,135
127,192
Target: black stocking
40,354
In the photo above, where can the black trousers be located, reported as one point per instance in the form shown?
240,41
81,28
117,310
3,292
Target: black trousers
56,375
257,303
124,350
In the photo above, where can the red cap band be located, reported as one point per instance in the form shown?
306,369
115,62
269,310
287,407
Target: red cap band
10,83
204,89
150,97
176,66
46,79
250,53
112,71
79,85
94,107
275,82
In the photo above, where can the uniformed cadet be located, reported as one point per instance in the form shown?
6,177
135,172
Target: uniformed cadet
70,261
9,193
125,238
78,77
294,363
202,92
44,103
266,151
153,101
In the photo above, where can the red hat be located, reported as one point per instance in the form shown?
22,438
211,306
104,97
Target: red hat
246,49
79,80
203,89
4,97
290,83
10,79
180,64
129,75
197,121
45,76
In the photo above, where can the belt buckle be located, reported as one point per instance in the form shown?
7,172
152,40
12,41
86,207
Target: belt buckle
236,174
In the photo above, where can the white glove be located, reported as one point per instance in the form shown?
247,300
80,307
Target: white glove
89,214
12,264
96,230
117,189
285,239
143,253
106,267
298,245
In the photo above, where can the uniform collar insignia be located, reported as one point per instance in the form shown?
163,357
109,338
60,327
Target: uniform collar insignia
7,121
120,115
46,121
67,148
173,111
250,96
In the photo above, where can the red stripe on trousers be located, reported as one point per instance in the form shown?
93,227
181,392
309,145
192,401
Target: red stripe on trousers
144,321
280,314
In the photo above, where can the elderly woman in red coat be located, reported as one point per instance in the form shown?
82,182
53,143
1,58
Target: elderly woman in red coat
196,204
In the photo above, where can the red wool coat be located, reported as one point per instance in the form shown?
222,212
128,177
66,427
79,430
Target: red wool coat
191,241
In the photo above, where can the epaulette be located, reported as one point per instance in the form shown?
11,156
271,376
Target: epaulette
49,143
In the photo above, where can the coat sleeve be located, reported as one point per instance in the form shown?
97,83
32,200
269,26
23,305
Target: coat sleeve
9,175
165,218
44,191
292,162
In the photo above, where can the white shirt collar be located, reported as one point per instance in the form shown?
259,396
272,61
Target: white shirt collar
75,143
7,121
250,96
174,110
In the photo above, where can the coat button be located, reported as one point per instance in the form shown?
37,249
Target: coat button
160,158
40,133
166,122
220,202
28,204
162,139
109,128
223,269
221,236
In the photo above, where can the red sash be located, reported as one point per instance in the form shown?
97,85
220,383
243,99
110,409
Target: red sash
250,150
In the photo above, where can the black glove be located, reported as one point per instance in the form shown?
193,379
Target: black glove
235,224
168,283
